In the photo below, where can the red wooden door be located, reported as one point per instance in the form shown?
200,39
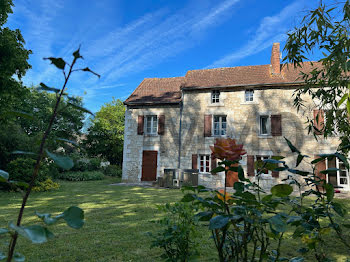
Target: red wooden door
149,166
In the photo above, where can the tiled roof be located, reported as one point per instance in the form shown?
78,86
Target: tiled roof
168,90
243,76
157,90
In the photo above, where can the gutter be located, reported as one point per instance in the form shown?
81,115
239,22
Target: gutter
180,132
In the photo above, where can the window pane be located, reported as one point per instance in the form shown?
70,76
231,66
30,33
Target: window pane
263,125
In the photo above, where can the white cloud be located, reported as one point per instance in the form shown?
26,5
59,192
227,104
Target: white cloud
271,29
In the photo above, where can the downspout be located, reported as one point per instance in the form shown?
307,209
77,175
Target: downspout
180,131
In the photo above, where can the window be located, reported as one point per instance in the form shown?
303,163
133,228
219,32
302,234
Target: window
340,177
220,125
151,125
249,95
215,97
204,163
264,125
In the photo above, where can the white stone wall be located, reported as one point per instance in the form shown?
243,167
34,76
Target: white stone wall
242,124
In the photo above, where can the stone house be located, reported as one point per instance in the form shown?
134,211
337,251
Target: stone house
171,122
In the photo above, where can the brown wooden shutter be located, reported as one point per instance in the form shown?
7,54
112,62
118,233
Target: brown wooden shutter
207,125
213,162
194,161
276,125
140,125
250,165
320,166
319,121
275,173
161,125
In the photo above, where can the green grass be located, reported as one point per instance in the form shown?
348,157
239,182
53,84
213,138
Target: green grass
117,220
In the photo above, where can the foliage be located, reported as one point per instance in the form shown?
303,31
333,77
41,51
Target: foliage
113,170
73,216
325,30
22,168
106,134
46,185
248,225
13,62
177,238
81,175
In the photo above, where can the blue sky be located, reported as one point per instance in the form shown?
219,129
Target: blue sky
127,41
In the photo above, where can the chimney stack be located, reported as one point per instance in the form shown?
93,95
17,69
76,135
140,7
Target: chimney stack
275,59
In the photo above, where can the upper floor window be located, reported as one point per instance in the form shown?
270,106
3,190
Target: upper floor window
215,96
249,95
151,125
264,125
204,163
220,125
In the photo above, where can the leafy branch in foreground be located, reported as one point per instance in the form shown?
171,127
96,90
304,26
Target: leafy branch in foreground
73,216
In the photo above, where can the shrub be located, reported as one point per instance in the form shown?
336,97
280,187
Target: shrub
81,176
113,170
47,185
177,239
94,164
21,169
53,170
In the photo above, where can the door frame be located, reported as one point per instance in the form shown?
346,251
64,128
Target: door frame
345,187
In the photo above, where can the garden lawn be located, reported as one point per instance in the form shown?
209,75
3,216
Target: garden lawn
117,221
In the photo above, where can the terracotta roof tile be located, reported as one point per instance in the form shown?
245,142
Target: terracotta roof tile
168,90
157,90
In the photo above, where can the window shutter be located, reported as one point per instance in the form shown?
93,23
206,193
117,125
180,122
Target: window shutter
213,162
140,125
276,125
275,174
250,165
207,125
320,166
194,161
161,125
318,121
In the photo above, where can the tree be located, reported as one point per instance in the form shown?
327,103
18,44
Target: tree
13,61
106,134
325,30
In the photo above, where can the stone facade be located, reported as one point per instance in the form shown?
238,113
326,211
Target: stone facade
242,124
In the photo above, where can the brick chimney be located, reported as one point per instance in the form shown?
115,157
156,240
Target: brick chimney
275,59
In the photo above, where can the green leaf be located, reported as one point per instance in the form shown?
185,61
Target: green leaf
292,148
299,159
329,170
329,191
58,62
74,217
315,161
2,256
36,233
80,108
18,257
46,88
18,113
3,231
218,222
217,169
86,69
342,100
62,161
4,176
238,186
299,172
297,259
277,223
67,141
48,220
188,198
76,54
339,209
205,216
19,152
348,105
281,190
19,184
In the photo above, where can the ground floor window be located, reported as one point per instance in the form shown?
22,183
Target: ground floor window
261,158
204,163
339,178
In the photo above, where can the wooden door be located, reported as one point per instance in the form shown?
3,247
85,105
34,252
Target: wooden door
149,166
232,177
